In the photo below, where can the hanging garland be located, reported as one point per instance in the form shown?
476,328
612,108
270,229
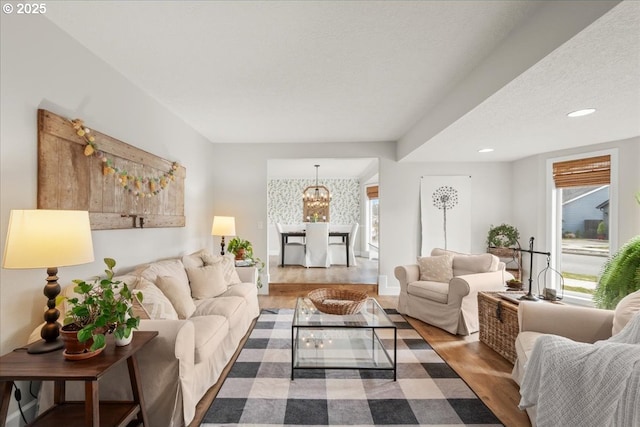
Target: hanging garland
138,186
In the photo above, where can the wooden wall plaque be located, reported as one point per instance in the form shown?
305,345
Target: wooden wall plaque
68,179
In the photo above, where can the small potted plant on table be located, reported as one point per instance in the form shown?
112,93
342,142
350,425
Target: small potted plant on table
103,306
243,250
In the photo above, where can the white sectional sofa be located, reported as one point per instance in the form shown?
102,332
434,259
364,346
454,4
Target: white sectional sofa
202,309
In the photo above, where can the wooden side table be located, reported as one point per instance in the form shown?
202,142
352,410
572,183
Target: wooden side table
19,365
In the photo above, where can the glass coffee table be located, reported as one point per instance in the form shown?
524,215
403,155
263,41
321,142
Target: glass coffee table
353,341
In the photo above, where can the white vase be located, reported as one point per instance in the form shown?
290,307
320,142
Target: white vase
121,342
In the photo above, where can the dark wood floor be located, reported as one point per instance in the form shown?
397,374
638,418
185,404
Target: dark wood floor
485,371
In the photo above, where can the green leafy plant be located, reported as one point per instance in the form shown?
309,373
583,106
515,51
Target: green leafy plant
236,245
620,275
104,306
602,228
502,236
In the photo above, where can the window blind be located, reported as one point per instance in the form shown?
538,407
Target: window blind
582,172
372,192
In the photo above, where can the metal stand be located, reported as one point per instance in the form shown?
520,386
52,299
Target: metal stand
530,296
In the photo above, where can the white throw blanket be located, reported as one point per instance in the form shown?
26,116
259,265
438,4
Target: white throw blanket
578,384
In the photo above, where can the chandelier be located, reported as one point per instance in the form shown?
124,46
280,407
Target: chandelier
316,196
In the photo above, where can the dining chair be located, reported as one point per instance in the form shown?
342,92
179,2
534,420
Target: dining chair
338,250
317,241
294,252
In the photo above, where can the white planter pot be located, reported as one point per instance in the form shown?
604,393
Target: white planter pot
124,341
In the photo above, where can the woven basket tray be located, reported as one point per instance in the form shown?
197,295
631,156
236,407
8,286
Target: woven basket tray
337,301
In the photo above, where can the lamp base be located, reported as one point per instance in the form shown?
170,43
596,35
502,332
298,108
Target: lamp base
43,346
529,297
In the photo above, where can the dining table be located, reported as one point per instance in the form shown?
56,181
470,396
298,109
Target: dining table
286,234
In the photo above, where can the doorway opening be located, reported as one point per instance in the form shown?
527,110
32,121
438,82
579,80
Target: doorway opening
347,180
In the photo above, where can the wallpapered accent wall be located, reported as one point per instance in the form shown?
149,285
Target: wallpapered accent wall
285,200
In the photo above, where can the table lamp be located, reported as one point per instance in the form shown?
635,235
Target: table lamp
48,239
223,226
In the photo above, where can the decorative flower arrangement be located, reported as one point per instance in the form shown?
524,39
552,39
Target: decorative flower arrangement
138,186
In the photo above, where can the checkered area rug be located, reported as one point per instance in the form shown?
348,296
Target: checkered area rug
259,391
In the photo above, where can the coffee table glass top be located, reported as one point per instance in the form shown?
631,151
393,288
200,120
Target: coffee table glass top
353,341
370,316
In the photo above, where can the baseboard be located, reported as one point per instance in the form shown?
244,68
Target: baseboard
30,410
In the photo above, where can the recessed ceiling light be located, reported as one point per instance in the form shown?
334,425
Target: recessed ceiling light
485,150
580,113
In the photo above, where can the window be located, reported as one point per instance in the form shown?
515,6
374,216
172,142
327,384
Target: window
372,220
582,223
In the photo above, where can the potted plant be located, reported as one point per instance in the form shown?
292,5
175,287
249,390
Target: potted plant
240,248
514,284
104,306
243,249
502,236
620,275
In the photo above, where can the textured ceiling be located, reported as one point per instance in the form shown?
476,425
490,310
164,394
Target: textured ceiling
312,71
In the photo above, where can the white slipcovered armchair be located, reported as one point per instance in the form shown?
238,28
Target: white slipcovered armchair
443,290
581,326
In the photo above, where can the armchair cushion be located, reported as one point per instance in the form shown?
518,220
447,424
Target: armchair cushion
436,268
434,291
626,308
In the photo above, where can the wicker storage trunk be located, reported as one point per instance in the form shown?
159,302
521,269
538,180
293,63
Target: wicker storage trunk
498,323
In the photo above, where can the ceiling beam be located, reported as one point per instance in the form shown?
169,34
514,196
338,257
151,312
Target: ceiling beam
554,23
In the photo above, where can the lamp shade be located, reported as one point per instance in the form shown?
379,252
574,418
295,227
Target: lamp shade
224,226
45,238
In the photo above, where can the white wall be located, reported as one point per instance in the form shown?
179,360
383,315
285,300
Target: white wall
43,68
400,232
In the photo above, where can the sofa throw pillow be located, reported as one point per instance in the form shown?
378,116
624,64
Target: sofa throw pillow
168,267
179,296
155,302
228,263
207,281
194,260
436,268
626,308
